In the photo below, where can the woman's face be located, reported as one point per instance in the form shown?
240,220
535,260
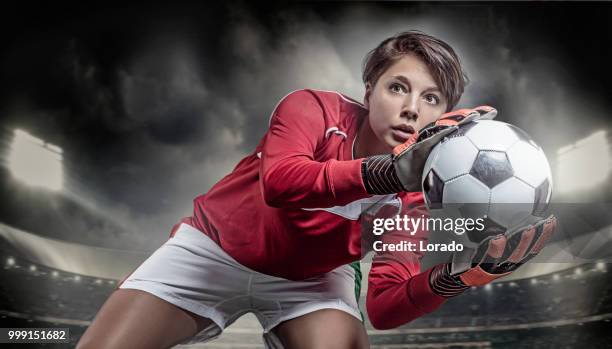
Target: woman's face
404,100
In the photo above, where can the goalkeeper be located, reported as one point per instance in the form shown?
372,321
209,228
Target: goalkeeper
279,236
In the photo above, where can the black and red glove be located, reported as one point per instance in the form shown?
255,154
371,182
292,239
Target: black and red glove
495,257
402,170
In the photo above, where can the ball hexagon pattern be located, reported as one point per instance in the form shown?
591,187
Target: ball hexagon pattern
543,192
432,157
491,167
433,187
511,202
492,135
488,169
454,158
529,163
468,195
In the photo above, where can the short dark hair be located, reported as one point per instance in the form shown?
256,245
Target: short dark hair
441,59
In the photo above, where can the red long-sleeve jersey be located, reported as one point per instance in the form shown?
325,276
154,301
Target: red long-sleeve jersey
291,208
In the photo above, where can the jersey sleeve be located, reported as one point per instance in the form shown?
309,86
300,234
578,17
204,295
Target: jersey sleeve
398,292
289,174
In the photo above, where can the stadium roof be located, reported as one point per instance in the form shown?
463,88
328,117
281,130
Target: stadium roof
71,257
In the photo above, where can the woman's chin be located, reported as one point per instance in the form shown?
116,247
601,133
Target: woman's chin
391,143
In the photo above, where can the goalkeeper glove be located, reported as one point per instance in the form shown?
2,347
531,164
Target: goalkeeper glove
403,169
494,258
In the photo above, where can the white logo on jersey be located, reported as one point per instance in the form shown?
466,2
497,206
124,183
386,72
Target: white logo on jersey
353,210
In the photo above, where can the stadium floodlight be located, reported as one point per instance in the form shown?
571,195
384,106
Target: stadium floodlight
600,266
35,162
10,261
584,164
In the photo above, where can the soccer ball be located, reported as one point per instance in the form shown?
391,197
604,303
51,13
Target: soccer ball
489,170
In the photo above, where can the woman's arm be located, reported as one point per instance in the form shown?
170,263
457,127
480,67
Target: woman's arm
289,175
398,292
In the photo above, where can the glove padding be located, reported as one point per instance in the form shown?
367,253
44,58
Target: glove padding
494,258
410,157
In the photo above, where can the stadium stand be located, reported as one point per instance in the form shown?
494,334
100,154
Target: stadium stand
571,308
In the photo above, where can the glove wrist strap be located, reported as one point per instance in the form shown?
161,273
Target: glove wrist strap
379,176
443,284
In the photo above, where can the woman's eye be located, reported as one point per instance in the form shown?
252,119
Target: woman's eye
432,99
397,88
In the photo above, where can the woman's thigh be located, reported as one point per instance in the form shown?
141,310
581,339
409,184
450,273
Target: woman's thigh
326,328
133,318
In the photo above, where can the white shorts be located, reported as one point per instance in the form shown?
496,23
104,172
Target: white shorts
192,272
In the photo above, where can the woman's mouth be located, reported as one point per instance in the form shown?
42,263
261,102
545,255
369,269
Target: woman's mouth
401,133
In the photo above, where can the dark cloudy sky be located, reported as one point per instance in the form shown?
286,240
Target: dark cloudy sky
153,104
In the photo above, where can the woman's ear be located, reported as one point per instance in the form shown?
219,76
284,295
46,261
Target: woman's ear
368,92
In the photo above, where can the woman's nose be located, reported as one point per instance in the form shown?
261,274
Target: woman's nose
409,114
410,109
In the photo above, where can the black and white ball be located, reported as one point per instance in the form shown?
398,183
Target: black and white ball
488,169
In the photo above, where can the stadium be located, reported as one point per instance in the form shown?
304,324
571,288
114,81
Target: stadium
562,300
113,118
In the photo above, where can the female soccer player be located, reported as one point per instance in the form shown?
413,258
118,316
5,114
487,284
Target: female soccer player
279,235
